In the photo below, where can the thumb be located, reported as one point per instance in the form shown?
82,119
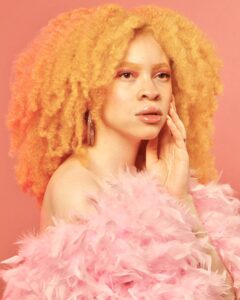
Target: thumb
151,152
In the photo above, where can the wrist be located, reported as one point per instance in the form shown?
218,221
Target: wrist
218,264
198,228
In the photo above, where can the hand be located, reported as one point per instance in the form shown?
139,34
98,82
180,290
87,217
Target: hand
171,164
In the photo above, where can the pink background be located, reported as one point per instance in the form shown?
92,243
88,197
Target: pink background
21,21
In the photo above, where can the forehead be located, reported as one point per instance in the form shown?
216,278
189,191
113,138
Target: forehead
144,49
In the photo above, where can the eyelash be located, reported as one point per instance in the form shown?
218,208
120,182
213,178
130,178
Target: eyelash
120,74
166,74
124,73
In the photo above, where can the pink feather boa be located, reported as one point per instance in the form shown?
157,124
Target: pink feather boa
139,245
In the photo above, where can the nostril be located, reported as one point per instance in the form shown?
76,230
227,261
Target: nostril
150,94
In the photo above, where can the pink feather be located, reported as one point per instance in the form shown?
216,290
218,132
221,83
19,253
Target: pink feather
139,245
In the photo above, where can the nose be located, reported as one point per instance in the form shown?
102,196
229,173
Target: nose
148,91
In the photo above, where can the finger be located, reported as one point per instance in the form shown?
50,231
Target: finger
165,140
165,135
175,116
177,121
177,135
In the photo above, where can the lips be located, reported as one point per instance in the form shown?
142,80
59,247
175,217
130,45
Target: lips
150,115
150,110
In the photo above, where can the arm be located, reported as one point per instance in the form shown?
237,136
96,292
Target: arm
200,232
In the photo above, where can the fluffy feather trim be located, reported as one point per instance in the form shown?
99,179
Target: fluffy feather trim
219,211
139,245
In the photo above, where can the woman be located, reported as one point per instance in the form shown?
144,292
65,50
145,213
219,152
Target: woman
95,107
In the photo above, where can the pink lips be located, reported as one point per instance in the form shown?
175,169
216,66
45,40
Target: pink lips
150,114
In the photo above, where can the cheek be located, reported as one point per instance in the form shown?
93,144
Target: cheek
112,108
117,101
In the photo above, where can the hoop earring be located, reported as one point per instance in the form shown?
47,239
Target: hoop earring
90,130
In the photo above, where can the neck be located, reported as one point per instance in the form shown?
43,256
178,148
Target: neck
111,153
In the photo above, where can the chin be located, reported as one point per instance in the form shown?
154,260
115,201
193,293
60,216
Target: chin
150,137
150,134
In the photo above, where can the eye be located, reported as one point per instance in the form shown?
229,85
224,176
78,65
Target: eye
125,74
163,75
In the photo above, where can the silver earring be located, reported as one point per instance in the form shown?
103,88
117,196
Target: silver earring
90,130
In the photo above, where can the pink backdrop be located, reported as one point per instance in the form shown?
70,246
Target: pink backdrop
21,21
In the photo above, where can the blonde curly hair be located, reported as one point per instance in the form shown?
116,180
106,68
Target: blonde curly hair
71,61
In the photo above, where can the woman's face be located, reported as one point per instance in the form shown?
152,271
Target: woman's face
142,81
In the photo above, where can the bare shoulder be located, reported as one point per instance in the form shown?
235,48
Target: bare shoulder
68,190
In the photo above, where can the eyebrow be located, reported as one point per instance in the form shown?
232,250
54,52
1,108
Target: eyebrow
138,66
